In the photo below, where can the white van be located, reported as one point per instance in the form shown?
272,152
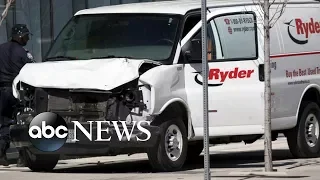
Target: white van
110,61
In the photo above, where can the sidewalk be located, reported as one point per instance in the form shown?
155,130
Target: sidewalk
233,161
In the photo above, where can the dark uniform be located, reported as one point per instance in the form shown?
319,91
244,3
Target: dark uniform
12,58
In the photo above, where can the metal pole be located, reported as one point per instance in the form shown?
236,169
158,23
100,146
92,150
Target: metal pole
207,175
267,92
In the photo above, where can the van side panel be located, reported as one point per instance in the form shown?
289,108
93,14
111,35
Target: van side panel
295,62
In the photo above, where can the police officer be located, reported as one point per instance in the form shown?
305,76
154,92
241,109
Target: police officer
13,56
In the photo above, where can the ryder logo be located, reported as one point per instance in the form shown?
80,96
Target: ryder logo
220,76
302,28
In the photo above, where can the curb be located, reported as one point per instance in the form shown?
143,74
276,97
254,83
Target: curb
13,167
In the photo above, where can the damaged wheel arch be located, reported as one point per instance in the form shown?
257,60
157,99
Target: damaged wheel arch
178,107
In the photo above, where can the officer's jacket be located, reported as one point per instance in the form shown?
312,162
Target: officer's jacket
12,58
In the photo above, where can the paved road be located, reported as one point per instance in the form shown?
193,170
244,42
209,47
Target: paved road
227,162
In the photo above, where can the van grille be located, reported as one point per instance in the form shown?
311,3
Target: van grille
77,106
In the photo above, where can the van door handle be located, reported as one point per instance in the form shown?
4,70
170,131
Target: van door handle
261,72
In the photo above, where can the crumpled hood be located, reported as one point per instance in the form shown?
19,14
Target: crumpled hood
99,74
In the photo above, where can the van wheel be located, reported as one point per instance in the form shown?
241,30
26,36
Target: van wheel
40,163
303,140
171,151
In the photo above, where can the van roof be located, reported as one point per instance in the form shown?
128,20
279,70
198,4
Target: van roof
180,7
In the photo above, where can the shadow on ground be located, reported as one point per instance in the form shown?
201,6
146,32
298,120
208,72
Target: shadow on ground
248,177
228,160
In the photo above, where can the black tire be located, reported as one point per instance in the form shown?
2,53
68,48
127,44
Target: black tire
194,150
157,155
296,137
40,162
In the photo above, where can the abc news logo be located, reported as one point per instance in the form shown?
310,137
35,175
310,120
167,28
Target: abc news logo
49,132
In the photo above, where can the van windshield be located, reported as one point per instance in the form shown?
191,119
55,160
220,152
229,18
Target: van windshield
116,35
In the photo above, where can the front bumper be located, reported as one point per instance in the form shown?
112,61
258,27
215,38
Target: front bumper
84,146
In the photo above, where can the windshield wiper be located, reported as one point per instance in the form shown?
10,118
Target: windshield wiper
63,57
112,56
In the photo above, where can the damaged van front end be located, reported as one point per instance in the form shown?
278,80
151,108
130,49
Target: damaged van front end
102,95
107,68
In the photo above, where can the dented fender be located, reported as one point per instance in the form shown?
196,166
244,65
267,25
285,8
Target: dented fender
167,86
166,83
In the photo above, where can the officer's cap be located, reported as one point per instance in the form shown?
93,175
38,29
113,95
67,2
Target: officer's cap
20,30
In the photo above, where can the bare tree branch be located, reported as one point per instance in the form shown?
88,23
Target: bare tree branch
259,10
5,12
274,13
280,12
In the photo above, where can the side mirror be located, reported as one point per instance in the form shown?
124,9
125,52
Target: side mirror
194,51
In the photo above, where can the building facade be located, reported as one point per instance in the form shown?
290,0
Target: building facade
45,19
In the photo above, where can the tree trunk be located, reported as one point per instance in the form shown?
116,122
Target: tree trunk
267,91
